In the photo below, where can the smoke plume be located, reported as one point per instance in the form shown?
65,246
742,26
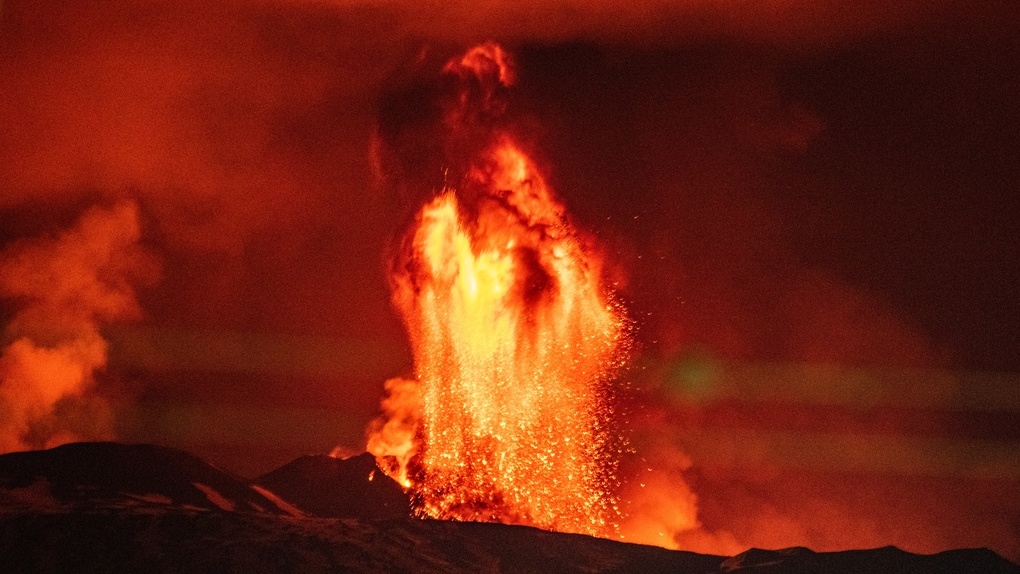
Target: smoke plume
66,288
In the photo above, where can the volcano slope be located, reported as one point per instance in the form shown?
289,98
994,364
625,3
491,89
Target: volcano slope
107,507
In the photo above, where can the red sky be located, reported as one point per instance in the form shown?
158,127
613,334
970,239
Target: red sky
809,209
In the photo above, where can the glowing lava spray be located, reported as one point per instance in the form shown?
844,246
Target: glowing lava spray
514,338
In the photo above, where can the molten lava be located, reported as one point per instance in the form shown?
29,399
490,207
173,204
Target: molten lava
514,340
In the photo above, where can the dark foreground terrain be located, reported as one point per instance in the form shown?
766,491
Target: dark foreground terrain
105,507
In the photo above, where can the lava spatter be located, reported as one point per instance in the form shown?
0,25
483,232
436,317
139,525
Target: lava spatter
514,340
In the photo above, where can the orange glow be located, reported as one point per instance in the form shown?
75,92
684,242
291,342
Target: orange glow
478,60
514,341
68,286
391,438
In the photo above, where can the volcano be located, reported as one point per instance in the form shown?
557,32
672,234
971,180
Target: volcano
338,488
109,507
107,475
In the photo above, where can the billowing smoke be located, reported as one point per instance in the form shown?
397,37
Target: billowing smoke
66,287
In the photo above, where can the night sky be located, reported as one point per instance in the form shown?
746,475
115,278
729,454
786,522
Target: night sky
809,210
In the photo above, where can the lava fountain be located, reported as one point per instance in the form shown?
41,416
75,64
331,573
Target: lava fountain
514,338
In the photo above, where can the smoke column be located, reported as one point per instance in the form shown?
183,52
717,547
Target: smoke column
66,287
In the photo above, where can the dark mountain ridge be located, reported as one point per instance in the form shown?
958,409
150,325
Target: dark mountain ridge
108,507
111,474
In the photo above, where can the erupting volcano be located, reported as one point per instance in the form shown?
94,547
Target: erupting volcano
514,337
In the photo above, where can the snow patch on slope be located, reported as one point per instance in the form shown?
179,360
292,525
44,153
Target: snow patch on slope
279,502
215,497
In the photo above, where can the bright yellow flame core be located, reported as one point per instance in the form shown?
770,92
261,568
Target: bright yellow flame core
513,342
